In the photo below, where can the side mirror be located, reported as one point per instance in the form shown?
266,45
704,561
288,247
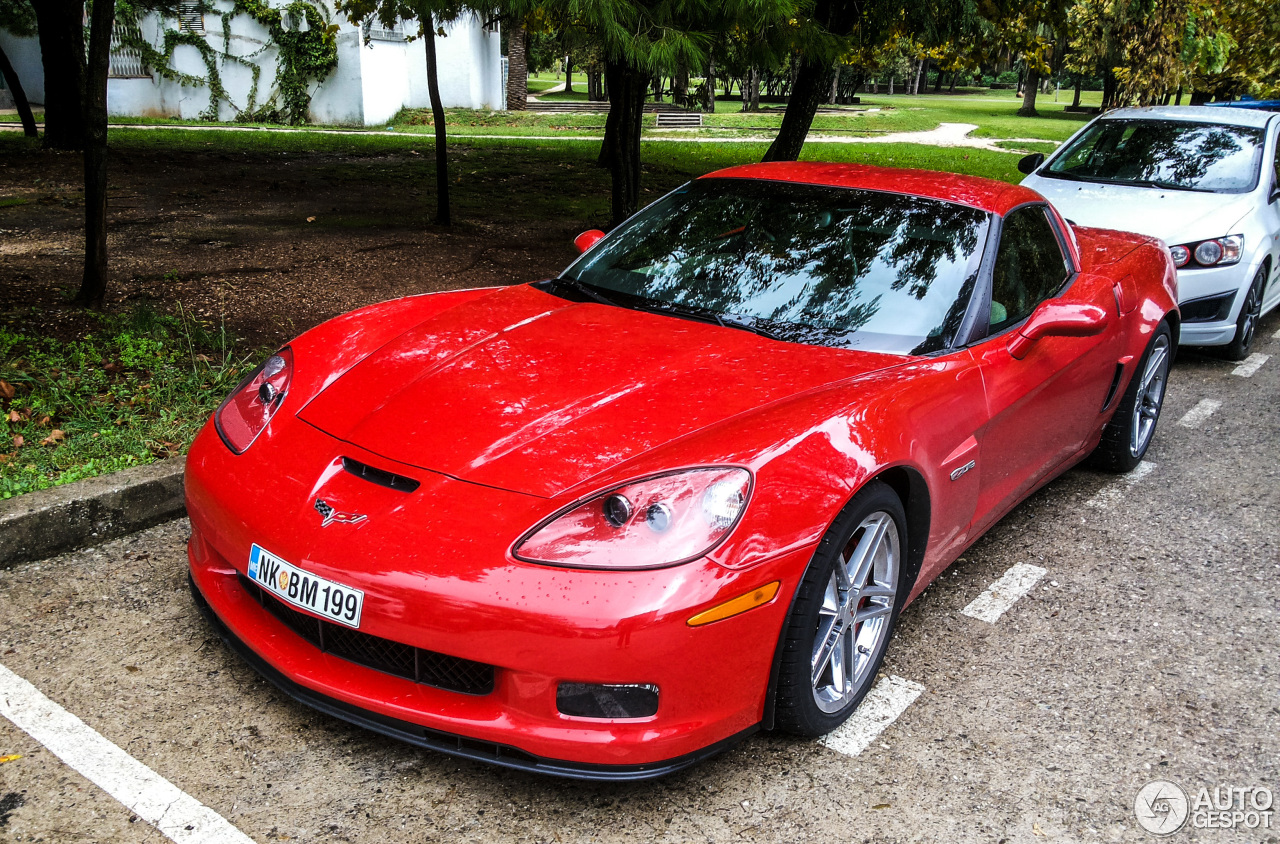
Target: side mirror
1058,319
1028,163
587,239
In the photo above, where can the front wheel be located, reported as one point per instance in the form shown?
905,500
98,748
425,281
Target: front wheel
1129,433
844,614
1247,322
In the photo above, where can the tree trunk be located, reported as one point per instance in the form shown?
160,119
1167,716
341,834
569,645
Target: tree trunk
835,87
710,82
93,286
891,84
61,25
1075,99
954,76
812,85
19,96
620,151
1110,90
1029,94
915,87
937,84
437,117
568,74
517,70
1178,101
680,87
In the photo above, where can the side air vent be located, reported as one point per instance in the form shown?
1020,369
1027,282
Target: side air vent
1115,385
378,476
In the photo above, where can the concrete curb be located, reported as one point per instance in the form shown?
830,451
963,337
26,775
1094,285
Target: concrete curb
50,521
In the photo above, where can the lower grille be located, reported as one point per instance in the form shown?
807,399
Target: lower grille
1209,309
416,664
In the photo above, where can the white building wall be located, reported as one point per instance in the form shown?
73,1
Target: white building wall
24,55
340,98
369,85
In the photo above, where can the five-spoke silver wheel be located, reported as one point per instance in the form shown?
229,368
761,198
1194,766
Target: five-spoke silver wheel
854,618
1151,383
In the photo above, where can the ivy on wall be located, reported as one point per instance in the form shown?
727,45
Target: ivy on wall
303,57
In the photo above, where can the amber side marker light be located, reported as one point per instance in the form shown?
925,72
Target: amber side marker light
738,605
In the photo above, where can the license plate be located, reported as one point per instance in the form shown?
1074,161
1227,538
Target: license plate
329,600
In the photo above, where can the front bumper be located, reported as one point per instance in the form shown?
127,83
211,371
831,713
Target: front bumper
1212,284
438,576
454,745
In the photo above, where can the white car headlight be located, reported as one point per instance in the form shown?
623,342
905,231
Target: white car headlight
1216,252
648,523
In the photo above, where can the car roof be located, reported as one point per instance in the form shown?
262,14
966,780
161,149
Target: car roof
984,194
1226,115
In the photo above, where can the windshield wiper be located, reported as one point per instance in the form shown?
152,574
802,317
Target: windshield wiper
1153,183
747,325
585,289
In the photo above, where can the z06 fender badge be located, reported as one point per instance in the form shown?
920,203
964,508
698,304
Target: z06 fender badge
955,475
331,515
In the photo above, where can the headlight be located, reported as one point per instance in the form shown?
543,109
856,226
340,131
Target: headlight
245,413
1218,252
644,524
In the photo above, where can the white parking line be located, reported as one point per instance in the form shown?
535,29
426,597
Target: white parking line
1250,365
148,795
1111,493
881,707
1276,336
1004,593
1196,416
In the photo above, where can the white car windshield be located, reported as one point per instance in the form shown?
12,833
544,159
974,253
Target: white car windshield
1167,154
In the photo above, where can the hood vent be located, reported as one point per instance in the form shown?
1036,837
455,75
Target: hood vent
400,483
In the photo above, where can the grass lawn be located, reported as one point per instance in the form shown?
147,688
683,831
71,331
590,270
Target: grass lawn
135,389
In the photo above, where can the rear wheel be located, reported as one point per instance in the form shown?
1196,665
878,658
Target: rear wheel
844,614
1247,322
1128,435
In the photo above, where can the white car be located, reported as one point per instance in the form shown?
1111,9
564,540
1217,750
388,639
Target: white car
1206,181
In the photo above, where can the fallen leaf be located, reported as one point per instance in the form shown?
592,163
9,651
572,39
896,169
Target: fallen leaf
1035,827
880,806
44,421
15,416
311,219
6,390
55,437
12,757
203,358
132,669
18,441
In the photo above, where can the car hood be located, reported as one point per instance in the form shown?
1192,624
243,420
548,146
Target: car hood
1173,216
525,391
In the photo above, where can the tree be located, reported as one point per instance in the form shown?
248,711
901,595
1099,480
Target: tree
429,14
18,17
517,68
93,286
61,27
640,39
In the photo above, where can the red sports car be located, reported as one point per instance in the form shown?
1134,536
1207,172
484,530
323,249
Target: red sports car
607,524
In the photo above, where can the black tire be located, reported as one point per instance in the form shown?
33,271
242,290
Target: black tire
1128,436
801,707
1247,322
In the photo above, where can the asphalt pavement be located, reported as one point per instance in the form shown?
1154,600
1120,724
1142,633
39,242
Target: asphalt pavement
1109,633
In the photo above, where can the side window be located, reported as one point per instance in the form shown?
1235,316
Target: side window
1029,268
1275,183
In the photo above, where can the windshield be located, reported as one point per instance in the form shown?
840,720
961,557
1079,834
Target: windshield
1164,154
807,264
